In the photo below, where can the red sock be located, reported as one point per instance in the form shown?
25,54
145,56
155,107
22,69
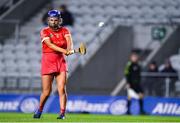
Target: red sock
40,108
63,111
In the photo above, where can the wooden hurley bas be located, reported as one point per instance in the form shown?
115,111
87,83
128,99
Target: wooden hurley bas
81,49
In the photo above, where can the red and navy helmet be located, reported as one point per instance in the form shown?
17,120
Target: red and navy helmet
54,13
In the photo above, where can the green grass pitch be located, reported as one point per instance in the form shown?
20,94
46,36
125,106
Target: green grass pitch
20,117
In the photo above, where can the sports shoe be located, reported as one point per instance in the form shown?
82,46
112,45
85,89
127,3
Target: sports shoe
128,112
143,112
37,114
61,116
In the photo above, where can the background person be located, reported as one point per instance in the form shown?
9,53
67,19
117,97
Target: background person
133,78
151,82
67,16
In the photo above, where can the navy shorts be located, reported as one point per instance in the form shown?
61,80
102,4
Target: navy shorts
137,88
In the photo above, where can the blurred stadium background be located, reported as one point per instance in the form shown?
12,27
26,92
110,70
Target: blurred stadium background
150,27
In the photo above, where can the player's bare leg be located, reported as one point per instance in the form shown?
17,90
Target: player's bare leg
61,86
46,90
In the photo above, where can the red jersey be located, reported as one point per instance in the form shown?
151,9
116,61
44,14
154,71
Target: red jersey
56,37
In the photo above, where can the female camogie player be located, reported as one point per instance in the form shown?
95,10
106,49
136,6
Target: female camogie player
56,43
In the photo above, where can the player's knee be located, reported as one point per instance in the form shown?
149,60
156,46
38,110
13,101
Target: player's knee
46,93
62,90
141,95
129,97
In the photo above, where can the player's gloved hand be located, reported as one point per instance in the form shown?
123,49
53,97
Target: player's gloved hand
70,52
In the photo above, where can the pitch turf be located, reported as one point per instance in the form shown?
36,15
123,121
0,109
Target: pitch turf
20,117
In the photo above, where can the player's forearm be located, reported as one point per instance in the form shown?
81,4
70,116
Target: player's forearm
70,46
69,42
56,48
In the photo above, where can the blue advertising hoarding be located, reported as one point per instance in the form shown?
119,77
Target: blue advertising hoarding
162,106
116,105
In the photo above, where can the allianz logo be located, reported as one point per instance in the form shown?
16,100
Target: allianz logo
29,105
116,107
84,106
9,105
167,108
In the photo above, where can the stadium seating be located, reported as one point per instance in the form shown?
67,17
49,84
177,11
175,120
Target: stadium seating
5,5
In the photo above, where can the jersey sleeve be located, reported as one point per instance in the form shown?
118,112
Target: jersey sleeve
127,72
66,31
44,35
